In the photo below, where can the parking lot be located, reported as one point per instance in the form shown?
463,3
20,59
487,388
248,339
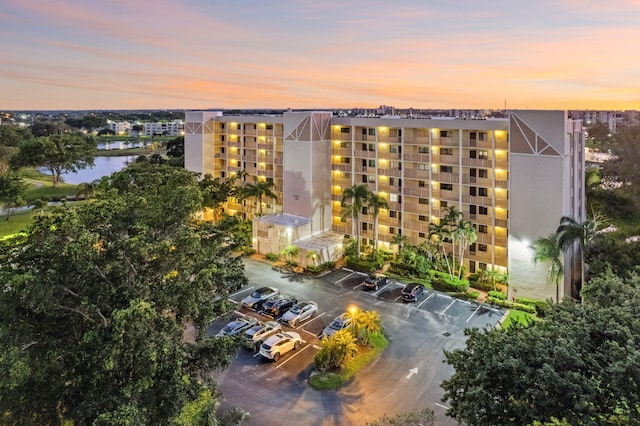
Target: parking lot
405,377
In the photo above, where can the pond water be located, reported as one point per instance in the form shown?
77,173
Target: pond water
103,166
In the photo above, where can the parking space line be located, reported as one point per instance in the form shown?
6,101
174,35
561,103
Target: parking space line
233,301
450,304
292,356
442,406
396,299
342,279
428,297
241,291
474,312
309,333
309,322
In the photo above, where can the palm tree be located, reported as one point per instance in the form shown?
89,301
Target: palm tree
572,233
371,323
399,240
376,203
257,190
466,233
438,232
313,256
491,275
357,194
289,252
344,343
85,189
547,249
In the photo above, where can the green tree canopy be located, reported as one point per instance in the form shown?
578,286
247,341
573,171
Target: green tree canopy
581,363
95,302
57,153
10,139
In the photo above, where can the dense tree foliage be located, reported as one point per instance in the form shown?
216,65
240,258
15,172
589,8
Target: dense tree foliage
88,122
96,299
57,153
582,364
12,192
623,168
10,139
48,128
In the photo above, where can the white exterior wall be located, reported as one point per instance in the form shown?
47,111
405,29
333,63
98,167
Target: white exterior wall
198,141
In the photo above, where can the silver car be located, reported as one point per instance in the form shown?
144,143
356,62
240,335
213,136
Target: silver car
237,326
300,312
339,323
280,344
258,297
260,332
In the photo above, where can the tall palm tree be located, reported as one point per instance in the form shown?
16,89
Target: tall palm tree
399,240
259,189
313,256
438,232
572,233
376,203
357,195
466,233
547,249
371,323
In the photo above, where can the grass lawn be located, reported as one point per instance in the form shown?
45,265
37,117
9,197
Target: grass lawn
366,354
128,152
17,222
520,317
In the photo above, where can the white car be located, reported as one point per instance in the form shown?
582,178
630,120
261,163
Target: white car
339,323
260,332
300,312
279,344
237,326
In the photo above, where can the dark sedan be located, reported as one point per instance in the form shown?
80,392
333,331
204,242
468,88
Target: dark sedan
277,305
374,282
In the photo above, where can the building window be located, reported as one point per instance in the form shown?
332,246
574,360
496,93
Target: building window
395,165
446,151
422,235
344,144
444,134
346,176
364,163
364,146
423,201
482,265
422,218
364,178
473,154
483,173
423,166
423,149
483,155
482,229
473,172
372,147
472,191
482,192
483,210
238,127
472,136
392,213
444,204
345,130
269,126
392,230
392,181
372,132
394,149
343,219
364,226
345,160
482,136
482,247
446,169
372,178
446,186
222,150
473,209
422,184
472,248
395,198
372,163
222,126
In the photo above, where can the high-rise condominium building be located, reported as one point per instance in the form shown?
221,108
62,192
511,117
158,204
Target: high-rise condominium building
513,178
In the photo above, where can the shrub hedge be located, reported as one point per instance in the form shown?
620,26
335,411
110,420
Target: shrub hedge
361,265
511,305
271,257
443,282
541,306
497,295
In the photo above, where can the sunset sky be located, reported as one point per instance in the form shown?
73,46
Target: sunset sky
191,54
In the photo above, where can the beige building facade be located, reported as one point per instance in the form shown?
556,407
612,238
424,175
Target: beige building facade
512,178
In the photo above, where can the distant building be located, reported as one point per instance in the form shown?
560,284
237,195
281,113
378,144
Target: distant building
612,119
513,178
173,128
119,127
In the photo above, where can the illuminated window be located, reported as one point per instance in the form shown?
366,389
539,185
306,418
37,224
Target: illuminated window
483,155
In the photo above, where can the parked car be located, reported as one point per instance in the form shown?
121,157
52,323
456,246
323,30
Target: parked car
340,322
278,304
257,334
237,326
254,300
299,312
374,282
279,344
411,292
